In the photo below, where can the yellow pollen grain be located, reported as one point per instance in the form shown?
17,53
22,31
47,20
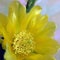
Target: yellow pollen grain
23,43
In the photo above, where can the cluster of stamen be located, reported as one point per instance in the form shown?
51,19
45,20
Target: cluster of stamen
23,43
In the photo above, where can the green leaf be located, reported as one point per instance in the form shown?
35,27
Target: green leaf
30,4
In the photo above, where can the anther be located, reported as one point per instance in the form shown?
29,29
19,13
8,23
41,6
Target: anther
23,43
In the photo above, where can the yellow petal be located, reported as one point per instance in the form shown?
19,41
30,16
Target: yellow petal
3,21
9,55
15,16
48,30
32,14
37,24
7,38
46,45
40,57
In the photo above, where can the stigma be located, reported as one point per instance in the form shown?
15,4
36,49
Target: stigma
23,43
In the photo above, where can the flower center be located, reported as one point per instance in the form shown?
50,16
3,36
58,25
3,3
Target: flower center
23,43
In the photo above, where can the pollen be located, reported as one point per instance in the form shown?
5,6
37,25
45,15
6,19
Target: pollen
23,43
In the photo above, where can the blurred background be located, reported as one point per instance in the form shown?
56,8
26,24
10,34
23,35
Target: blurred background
50,7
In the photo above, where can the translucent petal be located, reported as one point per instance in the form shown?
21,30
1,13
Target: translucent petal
37,24
3,21
48,30
40,57
33,22
15,16
7,38
46,45
33,13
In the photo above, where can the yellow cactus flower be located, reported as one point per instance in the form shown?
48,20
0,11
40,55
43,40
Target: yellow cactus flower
27,36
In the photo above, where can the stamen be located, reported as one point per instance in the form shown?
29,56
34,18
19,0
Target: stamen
23,43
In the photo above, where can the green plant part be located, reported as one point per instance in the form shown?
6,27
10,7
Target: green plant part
30,4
